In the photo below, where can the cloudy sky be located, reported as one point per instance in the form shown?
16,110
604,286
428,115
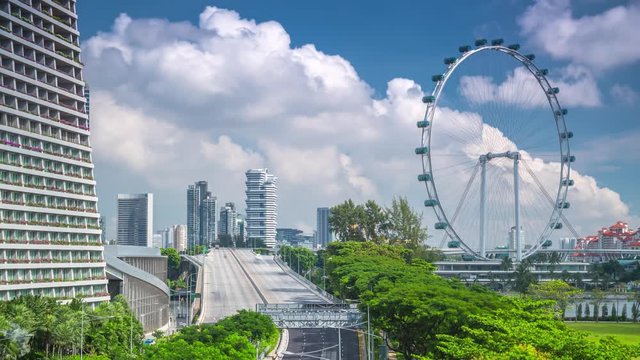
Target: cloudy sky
326,95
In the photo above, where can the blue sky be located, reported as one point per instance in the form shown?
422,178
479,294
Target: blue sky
381,41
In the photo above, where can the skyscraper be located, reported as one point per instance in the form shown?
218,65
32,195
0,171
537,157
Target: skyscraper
49,226
193,216
180,237
323,235
201,215
262,207
209,220
135,219
228,220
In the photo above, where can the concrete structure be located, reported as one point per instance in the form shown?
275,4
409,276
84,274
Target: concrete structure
140,274
103,227
209,220
49,229
180,237
239,279
287,235
135,219
158,240
201,215
262,208
322,227
228,224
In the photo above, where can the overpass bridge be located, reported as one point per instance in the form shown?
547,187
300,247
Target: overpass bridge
236,279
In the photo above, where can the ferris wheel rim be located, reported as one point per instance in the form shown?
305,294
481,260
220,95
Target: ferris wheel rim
561,128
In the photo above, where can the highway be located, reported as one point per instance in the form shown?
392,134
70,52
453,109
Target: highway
239,279
311,344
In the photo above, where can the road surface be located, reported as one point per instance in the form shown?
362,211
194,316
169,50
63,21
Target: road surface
313,344
239,279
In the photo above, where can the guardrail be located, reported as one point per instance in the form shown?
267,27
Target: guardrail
315,288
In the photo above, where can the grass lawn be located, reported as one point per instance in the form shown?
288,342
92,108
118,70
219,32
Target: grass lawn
627,333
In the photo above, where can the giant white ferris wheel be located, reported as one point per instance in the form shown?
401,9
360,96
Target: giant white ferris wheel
495,152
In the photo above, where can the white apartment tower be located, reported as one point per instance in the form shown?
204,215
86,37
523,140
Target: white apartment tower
262,208
49,221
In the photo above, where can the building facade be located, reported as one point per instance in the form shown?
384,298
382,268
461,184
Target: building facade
135,219
209,220
49,221
228,224
202,219
180,237
323,232
262,208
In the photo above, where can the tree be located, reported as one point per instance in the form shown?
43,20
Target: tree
597,297
587,311
346,221
623,313
605,312
556,290
523,277
173,261
405,224
527,330
579,312
614,313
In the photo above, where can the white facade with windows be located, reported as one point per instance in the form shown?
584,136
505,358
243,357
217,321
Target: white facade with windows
49,221
262,207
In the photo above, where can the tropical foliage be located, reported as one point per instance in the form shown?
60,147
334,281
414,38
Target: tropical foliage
39,328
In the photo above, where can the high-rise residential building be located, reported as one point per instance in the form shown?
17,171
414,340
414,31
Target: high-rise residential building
201,217
193,216
167,236
287,235
242,229
323,235
135,219
209,220
157,240
180,237
228,224
49,220
262,208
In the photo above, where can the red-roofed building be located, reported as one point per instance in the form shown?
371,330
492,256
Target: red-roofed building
616,236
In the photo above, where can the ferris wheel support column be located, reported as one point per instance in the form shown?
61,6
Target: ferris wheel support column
516,192
483,206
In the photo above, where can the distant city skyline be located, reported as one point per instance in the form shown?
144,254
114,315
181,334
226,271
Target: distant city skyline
337,120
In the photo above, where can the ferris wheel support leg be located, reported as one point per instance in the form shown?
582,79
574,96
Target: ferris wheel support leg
483,207
516,192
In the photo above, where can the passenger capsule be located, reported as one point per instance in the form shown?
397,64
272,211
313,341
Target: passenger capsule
464,48
497,42
562,112
467,257
441,225
422,150
514,47
547,243
566,135
437,78
428,99
552,91
450,60
424,177
564,205
531,57
543,72
430,203
568,182
570,158
422,124
453,244
556,226
481,42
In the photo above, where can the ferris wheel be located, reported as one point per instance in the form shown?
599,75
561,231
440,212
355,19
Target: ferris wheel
495,153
